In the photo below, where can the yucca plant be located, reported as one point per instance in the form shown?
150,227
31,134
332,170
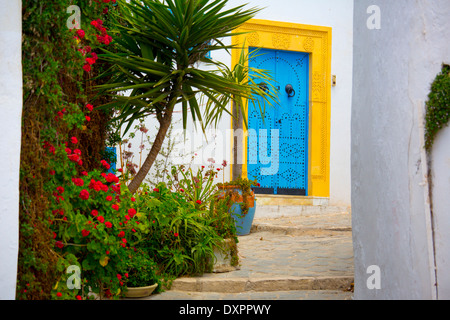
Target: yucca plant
158,46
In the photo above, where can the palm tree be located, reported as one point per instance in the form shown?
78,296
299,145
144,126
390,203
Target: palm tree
158,46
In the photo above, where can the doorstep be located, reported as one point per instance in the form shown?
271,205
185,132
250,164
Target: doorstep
275,206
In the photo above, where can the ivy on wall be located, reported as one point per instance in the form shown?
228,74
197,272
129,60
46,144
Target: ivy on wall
438,106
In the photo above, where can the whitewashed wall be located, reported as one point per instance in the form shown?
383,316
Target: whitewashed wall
10,123
441,209
393,69
337,14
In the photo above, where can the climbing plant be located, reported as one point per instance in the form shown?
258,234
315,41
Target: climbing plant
58,65
438,106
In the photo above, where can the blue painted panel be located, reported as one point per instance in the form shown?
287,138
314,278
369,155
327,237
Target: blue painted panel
290,117
112,164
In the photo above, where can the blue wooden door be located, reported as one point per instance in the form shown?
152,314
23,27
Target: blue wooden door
277,151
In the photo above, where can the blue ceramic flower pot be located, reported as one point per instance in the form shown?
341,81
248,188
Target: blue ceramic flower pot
243,222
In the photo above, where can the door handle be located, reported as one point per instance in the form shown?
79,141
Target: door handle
289,90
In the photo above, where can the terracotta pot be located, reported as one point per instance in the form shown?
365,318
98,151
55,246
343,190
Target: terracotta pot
140,292
237,196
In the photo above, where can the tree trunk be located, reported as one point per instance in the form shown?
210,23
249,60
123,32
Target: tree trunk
154,151
237,136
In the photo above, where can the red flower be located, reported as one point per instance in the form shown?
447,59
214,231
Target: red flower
74,140
79,297
84,194
121,234
87,67
198,201
85,233
80,33
176,234
84,173
87,49
77,181
111,177
127,217
59,244
90,107
94,213
105,164
119,276
101,219
156,190
115,207
109,198
90,61
68,150
133,199
131,212
74,157
60,189
77,151
52,172
108,224
58,294
88,118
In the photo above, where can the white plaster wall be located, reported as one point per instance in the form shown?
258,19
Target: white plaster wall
393,69
10,123
441,209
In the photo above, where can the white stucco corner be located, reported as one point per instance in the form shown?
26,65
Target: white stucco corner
10,122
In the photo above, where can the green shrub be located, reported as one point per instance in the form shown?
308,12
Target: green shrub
181,237
140,270
438,106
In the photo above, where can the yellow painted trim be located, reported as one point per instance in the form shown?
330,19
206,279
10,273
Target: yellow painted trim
315,40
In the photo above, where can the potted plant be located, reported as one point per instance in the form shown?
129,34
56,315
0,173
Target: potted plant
241,202
141,277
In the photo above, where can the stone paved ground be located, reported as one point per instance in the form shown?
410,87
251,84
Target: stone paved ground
308,257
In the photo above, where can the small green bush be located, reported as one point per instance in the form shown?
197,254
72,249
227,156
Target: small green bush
438,106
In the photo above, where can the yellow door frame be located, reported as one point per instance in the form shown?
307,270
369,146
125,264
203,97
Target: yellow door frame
315,40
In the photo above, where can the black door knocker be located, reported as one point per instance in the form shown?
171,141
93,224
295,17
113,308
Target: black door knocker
290,90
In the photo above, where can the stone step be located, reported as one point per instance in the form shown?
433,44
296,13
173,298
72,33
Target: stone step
260,284
280,211
252,295
328,224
